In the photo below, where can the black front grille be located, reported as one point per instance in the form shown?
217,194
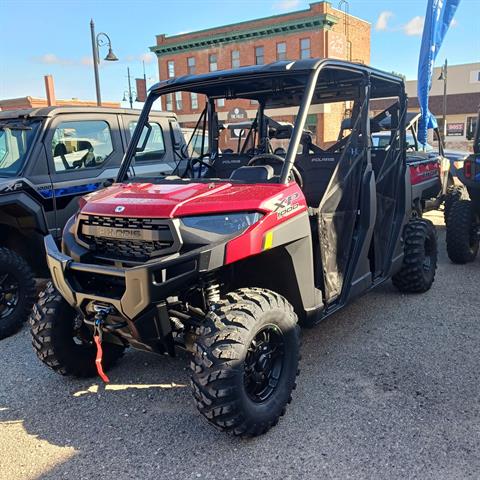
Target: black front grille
99,233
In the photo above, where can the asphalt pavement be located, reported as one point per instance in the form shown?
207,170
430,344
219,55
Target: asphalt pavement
389,389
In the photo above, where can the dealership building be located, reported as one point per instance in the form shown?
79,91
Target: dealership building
463,101
319,31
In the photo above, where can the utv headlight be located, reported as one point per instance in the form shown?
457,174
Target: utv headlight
224,224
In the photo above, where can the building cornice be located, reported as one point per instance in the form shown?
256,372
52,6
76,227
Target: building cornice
324,21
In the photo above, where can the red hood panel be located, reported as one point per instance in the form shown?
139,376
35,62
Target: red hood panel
177,200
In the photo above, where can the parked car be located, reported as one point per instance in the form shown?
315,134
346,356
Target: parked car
463,226
226,260
49,157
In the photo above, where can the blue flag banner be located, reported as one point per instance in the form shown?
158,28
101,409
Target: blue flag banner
439,15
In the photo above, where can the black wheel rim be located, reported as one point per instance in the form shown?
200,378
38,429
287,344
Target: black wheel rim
9,294
264,363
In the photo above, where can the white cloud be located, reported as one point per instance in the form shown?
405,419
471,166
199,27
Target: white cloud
382,21
52,59
414,26
286,4
148,57
87,61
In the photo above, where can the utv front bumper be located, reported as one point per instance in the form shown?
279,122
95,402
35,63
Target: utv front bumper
137,288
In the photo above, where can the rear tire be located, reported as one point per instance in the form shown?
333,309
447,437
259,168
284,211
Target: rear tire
455,193
420,259
17,292
56,327
245,361
462,239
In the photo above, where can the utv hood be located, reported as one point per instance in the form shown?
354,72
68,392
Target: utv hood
176,200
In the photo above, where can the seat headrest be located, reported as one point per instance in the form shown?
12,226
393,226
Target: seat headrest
59,150
254,173
84,145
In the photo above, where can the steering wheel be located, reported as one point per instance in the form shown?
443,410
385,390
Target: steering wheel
271,158
194,161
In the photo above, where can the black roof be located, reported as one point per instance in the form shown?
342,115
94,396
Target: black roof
247,82
43,112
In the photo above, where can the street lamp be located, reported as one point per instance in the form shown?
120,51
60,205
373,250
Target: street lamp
131,93
99,41
443,76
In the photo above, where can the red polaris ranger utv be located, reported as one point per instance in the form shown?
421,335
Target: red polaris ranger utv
226,253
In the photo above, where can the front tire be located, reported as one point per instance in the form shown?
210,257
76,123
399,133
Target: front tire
62,341
245,361
420,258
17,292
462,237
455,193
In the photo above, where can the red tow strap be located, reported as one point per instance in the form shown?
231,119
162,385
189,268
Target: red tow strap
98,359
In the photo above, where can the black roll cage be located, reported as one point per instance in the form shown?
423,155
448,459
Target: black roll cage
313,68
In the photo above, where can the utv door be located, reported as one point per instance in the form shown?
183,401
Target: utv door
362,211
339,210
83,152
389,167
38,186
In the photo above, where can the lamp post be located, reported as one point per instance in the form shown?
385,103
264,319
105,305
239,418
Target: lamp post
443,76
131,93
99,41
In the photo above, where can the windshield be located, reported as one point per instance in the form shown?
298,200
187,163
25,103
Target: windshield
16,139
218,136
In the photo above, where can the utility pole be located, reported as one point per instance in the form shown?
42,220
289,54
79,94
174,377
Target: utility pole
131,94
444,77
130,98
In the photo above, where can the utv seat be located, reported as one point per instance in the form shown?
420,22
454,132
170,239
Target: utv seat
316,170
88,160
225,164
60,150
253,174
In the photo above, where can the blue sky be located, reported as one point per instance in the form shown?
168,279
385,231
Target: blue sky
53,37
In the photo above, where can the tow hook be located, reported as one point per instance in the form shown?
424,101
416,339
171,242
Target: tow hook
101,313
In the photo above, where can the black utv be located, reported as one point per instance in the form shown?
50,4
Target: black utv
229,254
49,158
463,226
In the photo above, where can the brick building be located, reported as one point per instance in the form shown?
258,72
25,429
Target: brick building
23,103
319,31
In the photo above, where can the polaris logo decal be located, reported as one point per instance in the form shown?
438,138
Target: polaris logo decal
323,160
119,209
122,233
286,205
